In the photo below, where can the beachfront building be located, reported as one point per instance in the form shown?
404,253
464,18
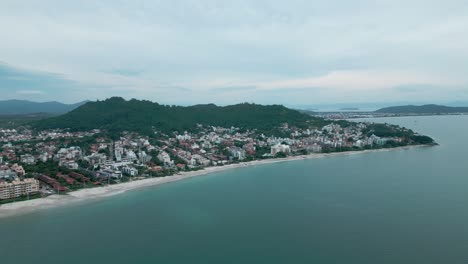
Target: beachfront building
130,171
237,153
18,188
280,148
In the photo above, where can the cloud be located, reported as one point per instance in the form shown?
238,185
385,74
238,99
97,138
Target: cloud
29,92
227,89
193,51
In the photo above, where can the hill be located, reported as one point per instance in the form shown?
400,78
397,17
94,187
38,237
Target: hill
20,107
116,114
423,109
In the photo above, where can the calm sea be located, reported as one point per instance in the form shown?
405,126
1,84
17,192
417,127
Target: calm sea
405,206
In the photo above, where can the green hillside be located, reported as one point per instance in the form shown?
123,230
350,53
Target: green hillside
116,114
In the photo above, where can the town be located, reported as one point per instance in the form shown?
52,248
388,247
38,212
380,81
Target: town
36,164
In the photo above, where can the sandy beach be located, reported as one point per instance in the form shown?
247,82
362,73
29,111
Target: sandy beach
24,207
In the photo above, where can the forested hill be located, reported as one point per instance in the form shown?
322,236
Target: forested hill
423,109
117,114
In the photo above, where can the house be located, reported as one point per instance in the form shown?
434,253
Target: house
18,169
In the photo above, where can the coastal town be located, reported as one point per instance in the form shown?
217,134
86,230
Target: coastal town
37,164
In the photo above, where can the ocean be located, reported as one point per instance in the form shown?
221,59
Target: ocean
401,206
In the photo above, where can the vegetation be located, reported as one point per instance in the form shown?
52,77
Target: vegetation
14,121
117,115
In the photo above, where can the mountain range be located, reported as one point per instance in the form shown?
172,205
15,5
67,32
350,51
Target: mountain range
20,107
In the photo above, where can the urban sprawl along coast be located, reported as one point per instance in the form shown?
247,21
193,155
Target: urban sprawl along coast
36,164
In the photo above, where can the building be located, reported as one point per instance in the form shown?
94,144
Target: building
96,158
280,148
118,153
109,173
164,157
202,161
131,155
18,188
143,157
237,152
69,164
18,169
381,141
130,171
69,153
28,159
8,174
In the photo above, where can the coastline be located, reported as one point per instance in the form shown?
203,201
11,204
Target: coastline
25,207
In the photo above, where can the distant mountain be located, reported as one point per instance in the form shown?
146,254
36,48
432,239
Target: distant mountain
349,109
116,114
423,109
19,107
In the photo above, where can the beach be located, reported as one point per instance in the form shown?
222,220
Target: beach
24,207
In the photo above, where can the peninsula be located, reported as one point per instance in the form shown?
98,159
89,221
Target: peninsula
117,141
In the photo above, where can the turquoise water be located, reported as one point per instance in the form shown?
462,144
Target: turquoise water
406,206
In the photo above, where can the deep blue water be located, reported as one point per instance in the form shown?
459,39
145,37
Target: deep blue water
403,206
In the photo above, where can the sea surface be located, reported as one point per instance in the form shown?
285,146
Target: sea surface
403,206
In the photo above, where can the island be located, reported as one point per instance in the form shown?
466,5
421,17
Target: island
393,111
115,141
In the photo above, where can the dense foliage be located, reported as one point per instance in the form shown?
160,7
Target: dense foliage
116,114
14,121
391,131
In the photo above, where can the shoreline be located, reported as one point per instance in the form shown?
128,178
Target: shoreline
75,197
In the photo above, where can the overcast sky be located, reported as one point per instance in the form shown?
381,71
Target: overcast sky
189,51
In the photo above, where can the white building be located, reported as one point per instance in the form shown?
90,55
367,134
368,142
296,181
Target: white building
28,159
143,157
70,164
165,158
131,171
131,155
280,148
201,160
118,152
96,158
237,152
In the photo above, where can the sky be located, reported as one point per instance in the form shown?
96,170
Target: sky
295,52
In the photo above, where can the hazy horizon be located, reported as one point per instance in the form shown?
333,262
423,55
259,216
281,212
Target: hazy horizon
268,52
370,106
